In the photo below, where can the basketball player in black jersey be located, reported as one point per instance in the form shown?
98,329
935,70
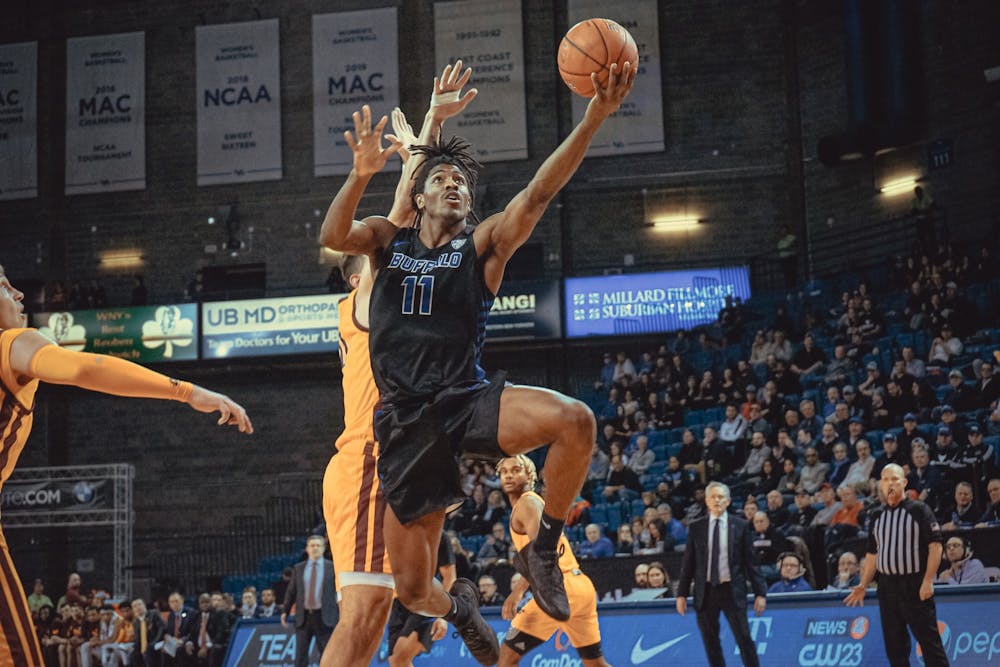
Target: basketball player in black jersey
434,285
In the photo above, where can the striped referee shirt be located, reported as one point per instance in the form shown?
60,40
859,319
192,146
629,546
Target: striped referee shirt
900,537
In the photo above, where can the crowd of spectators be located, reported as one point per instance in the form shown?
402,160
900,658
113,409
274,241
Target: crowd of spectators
89,294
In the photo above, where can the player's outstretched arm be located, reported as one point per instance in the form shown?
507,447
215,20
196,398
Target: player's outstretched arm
340,231
510,228
34,356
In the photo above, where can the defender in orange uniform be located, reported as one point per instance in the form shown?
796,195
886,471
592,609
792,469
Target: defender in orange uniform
531,627
27,357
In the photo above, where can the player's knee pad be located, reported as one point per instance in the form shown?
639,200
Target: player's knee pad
592,652
521,642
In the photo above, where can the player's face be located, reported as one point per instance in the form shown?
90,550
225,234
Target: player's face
513,476
446,193
11,305
892,484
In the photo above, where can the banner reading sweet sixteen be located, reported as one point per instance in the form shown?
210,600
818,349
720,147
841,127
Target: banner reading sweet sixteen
637,126
486,35
19,120
106,113
239,102
258,327
355,62
137,333
639,303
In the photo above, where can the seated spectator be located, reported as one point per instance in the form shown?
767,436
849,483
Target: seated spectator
914,366
626,544
780,346
72,595
848,573
790,478
654,539
944,347
768,479
622,483
829,505
597,545
830,405
808,361
750,508
248,603
840,369
38,598
624,373
690,453
730,390
961,397
803,515
839,465
846,522
977,457
785,381
813,472
268,606
734,428
859,474
962,567
674,528
758,424
608,412
606,376
987,387
659,580
992,514
759,349
880,418
792,571
924,479
750,472
962,513
767,545
890,454
495,549
715,455
598,469
775,509
641,576
489,596
642,458
808,419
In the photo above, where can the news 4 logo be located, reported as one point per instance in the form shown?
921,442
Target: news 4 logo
856,628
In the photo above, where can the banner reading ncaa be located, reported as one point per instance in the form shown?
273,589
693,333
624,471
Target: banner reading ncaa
258,327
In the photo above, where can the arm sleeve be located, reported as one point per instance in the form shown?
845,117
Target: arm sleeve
109,375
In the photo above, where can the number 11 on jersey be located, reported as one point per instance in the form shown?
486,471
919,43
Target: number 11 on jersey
411,286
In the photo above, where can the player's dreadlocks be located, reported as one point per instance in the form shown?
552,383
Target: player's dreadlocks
454,152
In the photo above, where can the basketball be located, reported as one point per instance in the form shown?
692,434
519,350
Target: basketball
592,46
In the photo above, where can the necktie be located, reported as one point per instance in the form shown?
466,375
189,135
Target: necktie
142,636
177,625
311,597
202,635
714,572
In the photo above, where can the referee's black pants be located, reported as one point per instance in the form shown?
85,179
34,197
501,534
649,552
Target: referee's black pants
899,606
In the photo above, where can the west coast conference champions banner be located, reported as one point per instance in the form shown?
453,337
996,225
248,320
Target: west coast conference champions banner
640,303
355,62
239,102
19,120
106,113
637,127
486,35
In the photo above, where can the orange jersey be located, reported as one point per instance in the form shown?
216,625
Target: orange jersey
567,561
360,393
16,411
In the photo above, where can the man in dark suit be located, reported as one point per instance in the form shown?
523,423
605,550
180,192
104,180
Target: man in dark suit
149,629
719,560
179,623
312,592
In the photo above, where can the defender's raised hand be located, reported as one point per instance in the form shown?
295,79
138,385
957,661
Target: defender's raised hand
366,143
447,99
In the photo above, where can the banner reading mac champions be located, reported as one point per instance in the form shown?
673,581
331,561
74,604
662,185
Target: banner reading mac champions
106,113
239,102
487,36
19,120
355,62
637,126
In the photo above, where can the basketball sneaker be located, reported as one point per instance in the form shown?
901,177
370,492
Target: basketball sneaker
477,634
541,569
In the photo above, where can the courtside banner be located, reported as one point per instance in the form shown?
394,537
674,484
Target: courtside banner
19,120
637,126
355,62
525,309
804,630
259,327
487,36
55,496
145,334
106,113
638,303
239,102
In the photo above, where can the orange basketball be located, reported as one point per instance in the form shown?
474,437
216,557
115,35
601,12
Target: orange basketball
591,46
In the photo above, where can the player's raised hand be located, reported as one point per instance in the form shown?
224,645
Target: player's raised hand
447,99
404,132
366,143
230,412
607,99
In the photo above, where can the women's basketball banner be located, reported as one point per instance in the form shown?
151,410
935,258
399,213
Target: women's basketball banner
19,120
106,113
355,62
239,102
487,36
637,126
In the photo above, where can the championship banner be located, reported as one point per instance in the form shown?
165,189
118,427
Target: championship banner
146,334
487,36
19,120
639,303
106,113
259,327
239,102
525,309
55,496
355,62
637,126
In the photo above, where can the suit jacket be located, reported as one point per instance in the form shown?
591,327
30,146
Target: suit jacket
296,594
742,567
155,628
187,621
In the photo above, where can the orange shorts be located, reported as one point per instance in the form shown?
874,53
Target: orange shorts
581,628
18,641
354,509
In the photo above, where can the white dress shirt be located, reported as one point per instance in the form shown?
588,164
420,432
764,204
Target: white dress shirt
724,575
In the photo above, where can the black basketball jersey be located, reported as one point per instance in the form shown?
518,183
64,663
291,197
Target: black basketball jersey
428,317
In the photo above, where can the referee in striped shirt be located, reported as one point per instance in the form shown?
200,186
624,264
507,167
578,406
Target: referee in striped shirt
904,547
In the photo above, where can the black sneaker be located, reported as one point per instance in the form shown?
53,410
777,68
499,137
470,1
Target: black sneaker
477,634
541,569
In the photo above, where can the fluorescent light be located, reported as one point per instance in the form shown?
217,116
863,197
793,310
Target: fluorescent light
676,223
121,259
899,186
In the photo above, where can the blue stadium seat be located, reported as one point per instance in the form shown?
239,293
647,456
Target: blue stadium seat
599,513
636,508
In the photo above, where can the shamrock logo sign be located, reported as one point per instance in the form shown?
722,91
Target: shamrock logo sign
64,332
167,329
